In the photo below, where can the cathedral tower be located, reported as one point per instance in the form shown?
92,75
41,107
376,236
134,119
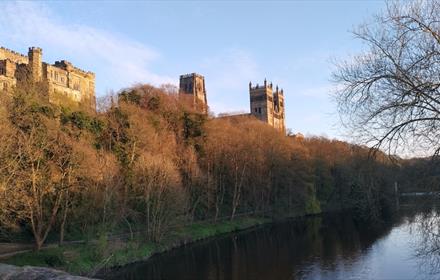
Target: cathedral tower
194,84
268,105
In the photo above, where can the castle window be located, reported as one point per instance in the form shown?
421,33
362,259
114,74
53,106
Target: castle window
256,110
259,110
56,76
5,86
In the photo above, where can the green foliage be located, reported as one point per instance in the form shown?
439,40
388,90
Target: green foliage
83,258
129,96
312,206
324,181
193,125
52,257
82,121
154,103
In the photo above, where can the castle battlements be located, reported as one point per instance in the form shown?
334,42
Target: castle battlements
12,52
36,49
68,66
64,81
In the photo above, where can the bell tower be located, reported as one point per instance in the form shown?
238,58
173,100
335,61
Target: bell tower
261,104
194,84
267,104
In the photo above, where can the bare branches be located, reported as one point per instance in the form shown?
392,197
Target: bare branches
389,95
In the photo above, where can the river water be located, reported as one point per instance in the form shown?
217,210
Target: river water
332,246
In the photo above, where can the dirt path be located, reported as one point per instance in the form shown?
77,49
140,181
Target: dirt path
9,249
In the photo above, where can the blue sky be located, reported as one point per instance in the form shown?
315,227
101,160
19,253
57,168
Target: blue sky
291,43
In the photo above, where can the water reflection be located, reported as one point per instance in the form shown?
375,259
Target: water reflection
329,247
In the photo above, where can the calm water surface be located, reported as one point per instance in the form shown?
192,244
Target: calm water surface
329,247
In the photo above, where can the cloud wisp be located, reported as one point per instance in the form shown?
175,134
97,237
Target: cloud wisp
123,60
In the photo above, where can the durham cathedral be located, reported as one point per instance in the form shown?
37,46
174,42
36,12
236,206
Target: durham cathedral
266,103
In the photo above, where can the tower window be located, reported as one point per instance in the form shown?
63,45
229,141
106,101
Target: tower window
259,110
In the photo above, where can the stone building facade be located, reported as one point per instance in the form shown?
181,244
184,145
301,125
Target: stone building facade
267,105
194,84
65,82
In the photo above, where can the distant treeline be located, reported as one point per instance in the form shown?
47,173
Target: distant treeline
149,161
420,175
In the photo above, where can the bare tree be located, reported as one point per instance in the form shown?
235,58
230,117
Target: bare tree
389,95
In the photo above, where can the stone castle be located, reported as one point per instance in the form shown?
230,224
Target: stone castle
65,83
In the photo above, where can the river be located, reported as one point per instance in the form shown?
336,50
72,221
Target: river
331,246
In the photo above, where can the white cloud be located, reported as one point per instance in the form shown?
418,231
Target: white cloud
122,60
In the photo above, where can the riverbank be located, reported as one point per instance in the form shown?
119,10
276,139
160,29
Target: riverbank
89,258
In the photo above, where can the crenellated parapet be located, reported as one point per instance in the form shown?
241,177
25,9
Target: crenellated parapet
6,50
68,66
13,56
263,86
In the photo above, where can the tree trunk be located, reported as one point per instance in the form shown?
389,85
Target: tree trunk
63,222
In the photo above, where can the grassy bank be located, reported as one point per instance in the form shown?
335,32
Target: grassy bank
87,259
